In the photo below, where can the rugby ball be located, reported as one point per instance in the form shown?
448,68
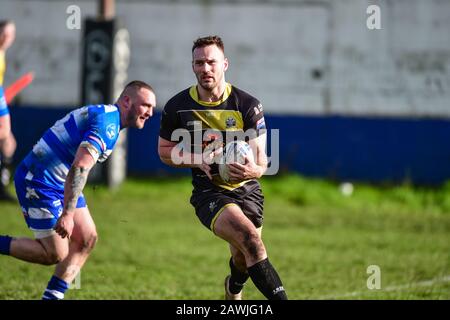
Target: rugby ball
235,151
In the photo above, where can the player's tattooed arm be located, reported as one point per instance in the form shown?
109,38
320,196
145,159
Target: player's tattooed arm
76,180
74,185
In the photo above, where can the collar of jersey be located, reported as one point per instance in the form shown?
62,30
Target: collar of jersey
194,95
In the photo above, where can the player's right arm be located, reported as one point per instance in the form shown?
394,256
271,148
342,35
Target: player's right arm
74,185
173,155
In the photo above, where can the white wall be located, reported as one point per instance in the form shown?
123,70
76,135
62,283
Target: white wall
274,47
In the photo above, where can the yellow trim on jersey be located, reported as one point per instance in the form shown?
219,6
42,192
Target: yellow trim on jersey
218,181
2,66
224,120
213,222
194,95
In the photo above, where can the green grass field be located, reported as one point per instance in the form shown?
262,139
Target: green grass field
151,245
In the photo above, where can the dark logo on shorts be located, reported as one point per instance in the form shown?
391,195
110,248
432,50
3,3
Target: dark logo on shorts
212,206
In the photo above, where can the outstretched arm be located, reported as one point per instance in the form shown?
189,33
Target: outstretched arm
74,185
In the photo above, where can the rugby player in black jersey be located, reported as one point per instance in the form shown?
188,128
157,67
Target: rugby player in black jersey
232,210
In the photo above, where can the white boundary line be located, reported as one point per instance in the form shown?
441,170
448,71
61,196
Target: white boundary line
426,283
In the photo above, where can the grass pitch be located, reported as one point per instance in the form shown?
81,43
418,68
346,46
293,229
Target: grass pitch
151,245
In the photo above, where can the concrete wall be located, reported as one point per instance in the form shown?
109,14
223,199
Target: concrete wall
298,57
350,103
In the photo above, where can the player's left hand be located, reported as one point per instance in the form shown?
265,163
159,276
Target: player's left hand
64,226
239,172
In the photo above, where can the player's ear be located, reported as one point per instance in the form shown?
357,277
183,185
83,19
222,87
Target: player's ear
225,64
127,101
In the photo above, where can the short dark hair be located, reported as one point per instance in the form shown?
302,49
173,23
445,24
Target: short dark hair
136,84
208,41
4,23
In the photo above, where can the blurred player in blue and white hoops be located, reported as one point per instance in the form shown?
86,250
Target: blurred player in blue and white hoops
50,180
7,141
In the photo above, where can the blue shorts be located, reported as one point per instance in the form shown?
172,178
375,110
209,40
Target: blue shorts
3,106
41,204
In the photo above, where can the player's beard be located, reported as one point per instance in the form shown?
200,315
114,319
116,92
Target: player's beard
133,118
209,86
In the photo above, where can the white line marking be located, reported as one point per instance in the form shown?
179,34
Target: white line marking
426,283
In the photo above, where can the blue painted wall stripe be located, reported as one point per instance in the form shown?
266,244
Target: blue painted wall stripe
341,148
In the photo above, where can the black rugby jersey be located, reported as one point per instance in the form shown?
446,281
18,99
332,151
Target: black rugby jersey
236,114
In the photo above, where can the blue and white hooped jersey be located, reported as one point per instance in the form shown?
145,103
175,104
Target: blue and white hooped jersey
96,126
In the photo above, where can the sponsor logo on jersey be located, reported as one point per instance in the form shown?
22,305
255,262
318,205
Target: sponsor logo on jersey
258,109
56,203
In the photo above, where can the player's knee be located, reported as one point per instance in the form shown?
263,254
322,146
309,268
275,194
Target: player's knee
253,245
89,242
52,258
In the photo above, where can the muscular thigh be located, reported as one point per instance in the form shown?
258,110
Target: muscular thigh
234,226
84,229
84,226
209,206
55,245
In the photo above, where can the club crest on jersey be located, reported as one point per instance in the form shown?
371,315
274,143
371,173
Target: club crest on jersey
230,122
111,131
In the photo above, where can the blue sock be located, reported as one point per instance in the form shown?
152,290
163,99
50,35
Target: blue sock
55,289
5,244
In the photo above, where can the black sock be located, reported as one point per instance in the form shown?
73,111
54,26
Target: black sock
266,279
237,279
